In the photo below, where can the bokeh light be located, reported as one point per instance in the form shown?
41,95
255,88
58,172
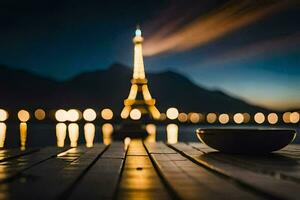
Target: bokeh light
39,114
73,129
73,115
23,115
151,128
182,117
172,133
61,133
89,114
194,117
127,141
172,113
107,114
247,117
23,135
135,114
224,118
211,118
272,118
238,118
107,130
61,115
2,134
286,117
294,117
3,115
89,134
259,118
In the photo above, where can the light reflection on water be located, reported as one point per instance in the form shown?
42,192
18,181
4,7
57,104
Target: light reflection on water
40,135
23,135
89,134
107,130
2,134
172,133
61,133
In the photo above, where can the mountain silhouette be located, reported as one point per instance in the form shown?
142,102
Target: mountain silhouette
108,88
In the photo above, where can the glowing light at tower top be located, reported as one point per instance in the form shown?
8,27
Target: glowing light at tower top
138,32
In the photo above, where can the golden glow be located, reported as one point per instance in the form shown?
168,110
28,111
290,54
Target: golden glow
61,115
125,112
286,117
138,70
23,135
182,117
146,93
3,115
107,130
133,91
23,115
246,117
172,113
211,118
224,118
2,134
127,141
107,114
259,118
272,118
73,129
294,117
73,115
151,130
61,133
154,112
194,118
238,118
135,114
39,114
89,134
62,154
89,115
172,133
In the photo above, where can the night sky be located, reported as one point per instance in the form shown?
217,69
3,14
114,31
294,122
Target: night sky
250,49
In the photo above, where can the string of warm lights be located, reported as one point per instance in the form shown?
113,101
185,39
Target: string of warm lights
172,113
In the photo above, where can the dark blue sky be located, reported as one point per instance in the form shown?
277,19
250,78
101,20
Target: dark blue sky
258,60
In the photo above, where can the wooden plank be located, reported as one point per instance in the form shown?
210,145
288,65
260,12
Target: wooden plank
139,179
189,181
271,186
100,182
7,154
158,147
13,167
53,178
282,164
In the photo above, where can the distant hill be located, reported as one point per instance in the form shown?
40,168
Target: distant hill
108,88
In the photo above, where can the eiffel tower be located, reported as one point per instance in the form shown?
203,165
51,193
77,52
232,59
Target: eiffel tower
139,96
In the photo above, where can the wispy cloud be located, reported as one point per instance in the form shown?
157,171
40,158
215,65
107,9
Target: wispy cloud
178,35
265,48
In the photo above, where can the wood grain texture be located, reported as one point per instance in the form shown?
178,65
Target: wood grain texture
190,181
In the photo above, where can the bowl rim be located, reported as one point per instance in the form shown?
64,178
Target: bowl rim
244,130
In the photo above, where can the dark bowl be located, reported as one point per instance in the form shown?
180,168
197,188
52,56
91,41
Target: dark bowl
246,141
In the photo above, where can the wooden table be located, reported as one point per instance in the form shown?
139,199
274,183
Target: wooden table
148,171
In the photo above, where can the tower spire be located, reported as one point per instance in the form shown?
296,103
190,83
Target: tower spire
138,67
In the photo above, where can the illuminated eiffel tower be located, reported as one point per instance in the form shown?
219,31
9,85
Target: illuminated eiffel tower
139,96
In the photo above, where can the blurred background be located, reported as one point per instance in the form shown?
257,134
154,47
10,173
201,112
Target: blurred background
208,63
